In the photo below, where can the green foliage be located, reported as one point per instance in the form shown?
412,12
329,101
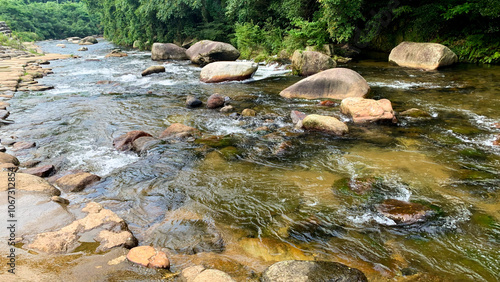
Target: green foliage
48,19
25,36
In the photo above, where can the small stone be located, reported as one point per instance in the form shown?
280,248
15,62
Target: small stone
215,101
248,113
227,109
193,102
367,110
178,130
83,49
415,113
325,124
42,171
23,145
149,257
30,163
327,103
60,200
8,142
404,212
125,142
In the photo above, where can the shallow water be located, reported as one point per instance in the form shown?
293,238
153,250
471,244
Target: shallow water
289,201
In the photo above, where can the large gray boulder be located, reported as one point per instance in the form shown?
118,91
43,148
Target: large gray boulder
307,63
207,51
167,51
88,40
227,71
311,271
429,56
337,83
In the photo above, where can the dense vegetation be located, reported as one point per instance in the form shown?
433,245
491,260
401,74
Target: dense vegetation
44,19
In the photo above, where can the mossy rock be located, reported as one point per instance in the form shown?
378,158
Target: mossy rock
216,141
230,153
473,153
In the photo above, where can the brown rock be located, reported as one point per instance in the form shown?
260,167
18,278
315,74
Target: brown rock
404,212
28,182
211,275
77,182
337,83
188,274
116,53
6,158
227,109
60,200
207,51
42,171
149,257
167,51
227,71
8,167
367,110
297,116
178,130
110,239
248,113
307,63
497,142
215,101
125,142
23,145
429,56
143,143
327,103
153,69
415,113
325,124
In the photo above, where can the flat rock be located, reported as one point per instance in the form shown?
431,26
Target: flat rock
22,145
404,212
178,130
167,51
77,182
428,56
28,182
415,113
325,124
144,143
125,142
149,257
227,71
207,51
41,171
367,110
311,271
153,69
337,83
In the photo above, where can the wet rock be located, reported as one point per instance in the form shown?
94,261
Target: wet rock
211,275
125,142
188,274
149,257
404,212
216,141
193,102
337,83
6,158
73,39
227,71
497,141
61,45
325,124
28,182
3,149
248,113
8,167
227,109
229,153
40,87
282,148
77,182
88,40
167,51
307,63
42,171
309,271
116,53
179,130
4,114
367,110
153,69
83,49
207,51
415,113
429,56
98,226
30,163
215,101
3,105
327,103
268,249
297,116
142,144
23,145
60,200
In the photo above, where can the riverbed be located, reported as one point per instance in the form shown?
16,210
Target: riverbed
278,193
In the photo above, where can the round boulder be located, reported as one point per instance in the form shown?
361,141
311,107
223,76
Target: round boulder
428,56
309,271
207,51
337,83
215,101
325,124
227,71
167,51
307,63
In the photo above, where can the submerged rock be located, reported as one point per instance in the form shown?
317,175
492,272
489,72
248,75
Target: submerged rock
207,51
23,145
248,113
77,182
297,116
227,71
125,142
337,83
325,124
307,63
415,113
167,51
153,69
144,143
404,212
149,257
429,56
311,271
179,130
367,110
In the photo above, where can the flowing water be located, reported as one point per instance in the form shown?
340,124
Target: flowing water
277,193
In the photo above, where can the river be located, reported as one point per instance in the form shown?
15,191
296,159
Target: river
257,204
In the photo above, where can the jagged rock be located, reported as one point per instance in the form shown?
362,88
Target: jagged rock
429,56
167,51
153,69
307,63
207,51
297,116
367,110
227,71
337,83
